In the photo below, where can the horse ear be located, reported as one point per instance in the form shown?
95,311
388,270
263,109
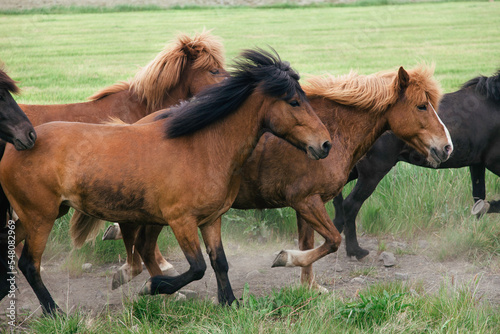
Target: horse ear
403,79
190,51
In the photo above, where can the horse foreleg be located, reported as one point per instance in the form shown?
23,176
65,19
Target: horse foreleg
5,284
312,210
477,173
339,220
186,233
29,264
211,233
493,165
306,242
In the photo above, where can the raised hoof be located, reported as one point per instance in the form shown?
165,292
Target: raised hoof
280,260
480,208
113,232
146,289
119,278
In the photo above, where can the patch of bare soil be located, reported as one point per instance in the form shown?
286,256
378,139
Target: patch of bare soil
344,276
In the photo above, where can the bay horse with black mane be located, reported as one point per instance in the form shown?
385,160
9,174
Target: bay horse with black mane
472,114
181,170
357,110
182,69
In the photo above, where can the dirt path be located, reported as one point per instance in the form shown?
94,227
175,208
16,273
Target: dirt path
252,264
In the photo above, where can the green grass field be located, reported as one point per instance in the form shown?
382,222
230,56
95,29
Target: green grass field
64,56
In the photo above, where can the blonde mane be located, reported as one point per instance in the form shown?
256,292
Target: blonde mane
376,91
163,73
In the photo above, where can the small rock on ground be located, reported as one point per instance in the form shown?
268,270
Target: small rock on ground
388,258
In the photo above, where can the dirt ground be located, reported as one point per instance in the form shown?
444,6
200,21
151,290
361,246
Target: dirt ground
251,263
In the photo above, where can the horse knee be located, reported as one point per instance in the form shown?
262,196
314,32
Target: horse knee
199,270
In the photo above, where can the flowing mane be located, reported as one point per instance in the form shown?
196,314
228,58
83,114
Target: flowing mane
164,72
375,91
254,68
7,83
486,86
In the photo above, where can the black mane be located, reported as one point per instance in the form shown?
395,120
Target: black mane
252,69
486,86
7,83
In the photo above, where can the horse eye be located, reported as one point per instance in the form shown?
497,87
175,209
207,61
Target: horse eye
214,72
294,103
422,107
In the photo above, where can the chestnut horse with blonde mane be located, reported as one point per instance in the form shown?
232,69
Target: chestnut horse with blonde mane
182,69
356,109
181,170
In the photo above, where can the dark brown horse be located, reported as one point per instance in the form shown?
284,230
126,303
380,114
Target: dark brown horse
15,127
357,110
182,69
181,170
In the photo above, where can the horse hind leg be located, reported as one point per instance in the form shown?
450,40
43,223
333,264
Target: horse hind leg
185,230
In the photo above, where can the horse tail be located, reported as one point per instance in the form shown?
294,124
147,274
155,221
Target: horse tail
84,228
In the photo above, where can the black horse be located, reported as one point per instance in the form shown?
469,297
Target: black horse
16,129
472,116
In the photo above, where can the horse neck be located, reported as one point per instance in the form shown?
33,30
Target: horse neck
353,131
174,96
232,140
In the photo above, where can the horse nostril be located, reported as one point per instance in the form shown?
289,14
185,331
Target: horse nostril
32,135
326,146
448,149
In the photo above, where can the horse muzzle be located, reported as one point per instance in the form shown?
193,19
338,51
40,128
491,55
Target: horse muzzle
320,152
440,155
25,143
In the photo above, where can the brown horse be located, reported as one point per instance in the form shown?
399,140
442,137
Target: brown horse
357,110
181,170
182,69
15,127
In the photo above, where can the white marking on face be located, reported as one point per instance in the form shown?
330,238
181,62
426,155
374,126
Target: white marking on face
448,137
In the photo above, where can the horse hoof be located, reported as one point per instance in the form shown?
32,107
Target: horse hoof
321,289
119,278
113,232
480,207
146,289
281,260
359,253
